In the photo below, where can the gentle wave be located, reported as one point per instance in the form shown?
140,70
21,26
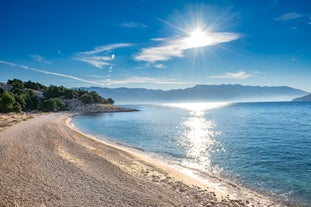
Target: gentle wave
265,146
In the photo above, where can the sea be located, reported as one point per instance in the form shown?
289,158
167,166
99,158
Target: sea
265,146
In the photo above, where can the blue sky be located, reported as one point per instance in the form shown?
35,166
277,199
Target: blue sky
158,44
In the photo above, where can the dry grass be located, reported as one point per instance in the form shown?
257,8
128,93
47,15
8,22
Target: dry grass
7,120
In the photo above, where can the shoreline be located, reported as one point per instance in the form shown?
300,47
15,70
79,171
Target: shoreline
222,188
48,162
145,157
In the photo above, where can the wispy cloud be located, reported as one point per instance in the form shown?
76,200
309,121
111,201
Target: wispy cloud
98,76
97,61
147,80
160,66
50,73
169,48
133,25
40,59
289,16
234,75
106,48
100,56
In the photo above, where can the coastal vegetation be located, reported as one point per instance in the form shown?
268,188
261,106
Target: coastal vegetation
20,96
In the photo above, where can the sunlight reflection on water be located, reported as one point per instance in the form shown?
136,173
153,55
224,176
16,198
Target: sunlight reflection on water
199,107
197,136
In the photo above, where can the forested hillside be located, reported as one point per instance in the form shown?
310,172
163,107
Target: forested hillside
17,96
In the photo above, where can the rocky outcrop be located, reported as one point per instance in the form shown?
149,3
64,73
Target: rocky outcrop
77,106
5,86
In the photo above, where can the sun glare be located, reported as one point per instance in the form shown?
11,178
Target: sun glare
198,107
198,33
197,38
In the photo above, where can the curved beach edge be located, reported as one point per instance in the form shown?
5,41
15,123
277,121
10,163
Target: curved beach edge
46,161
220,188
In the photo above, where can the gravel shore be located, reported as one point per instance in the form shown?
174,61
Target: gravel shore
44,162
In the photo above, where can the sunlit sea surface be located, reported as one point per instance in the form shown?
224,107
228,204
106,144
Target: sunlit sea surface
264,146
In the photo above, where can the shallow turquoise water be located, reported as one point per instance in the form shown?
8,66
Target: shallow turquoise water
265,146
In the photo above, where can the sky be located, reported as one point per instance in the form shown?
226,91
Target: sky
156,44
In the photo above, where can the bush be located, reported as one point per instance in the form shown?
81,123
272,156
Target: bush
34,86
31,100
16,84
49,105
53,104
87,99
70,94
21,99
60,104
110,101
96,97
54,91
6,102
17,107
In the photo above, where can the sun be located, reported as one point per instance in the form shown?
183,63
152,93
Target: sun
197,38
197,33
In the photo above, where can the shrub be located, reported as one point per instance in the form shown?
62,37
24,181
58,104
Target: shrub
16,84
49,105
87,99
60,104
17,107
6,102
110,101
53,104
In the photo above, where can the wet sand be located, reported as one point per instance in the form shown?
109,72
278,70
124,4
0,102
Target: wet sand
47,162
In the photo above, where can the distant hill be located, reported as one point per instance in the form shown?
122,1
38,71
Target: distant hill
306,98
201,93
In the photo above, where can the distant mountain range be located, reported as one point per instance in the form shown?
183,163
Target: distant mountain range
200,93
306,98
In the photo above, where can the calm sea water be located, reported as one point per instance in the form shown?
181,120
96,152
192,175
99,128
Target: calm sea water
265,146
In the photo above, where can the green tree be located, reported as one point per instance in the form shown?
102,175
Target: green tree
16,84
80,93
6,102
87,99
34,86
31,85
60,104
31,99
97,98
17,107
54,92
21,99
70,94
52,104
110,101
49,105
